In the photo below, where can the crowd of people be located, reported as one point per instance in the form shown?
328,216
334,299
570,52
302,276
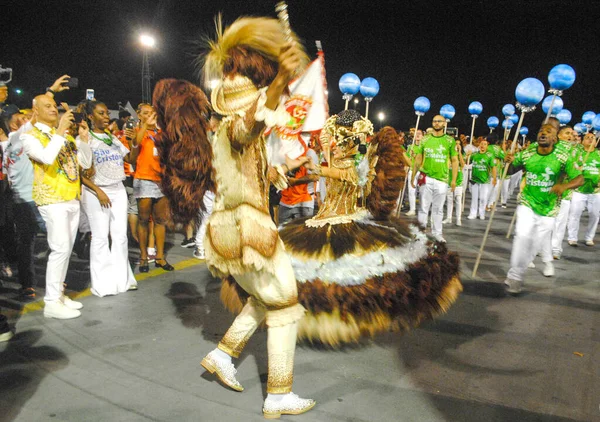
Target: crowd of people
71,176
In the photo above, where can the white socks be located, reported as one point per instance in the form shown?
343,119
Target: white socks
276,397
221,355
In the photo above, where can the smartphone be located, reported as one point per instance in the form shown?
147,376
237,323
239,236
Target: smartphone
77,117
89,94
73,82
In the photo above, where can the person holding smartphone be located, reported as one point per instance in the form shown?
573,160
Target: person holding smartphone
146,188
105,203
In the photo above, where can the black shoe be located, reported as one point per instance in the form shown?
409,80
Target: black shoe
144,268
166,266
188,243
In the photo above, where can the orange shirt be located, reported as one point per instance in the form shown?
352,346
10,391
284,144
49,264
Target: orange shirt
126,166
147,166
296,194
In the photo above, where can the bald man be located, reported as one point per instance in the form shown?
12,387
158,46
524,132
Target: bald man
56,158
432,157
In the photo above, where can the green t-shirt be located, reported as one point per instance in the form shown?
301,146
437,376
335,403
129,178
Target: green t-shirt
541,173
499,155
482,167
436,150
410,151
578,154
591,173
459,176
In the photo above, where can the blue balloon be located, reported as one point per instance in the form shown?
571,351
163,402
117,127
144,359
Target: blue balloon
507,124
369,87
493,122
530,92
588,117
564,116
447,111
596,122
524,130
349,84
514,118
422,105
561,77
508,110
475,108
580,128
556,107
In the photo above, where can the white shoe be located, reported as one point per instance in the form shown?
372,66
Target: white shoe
531,265
447,221
199,253
440,239
482,217
549,270
6,336
589,242
459,223
59,310
225,371
513,286
290,404
411,213
471,217
572,243
556,256
71,304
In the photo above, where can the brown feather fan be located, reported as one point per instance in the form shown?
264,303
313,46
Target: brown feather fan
389,177
185,153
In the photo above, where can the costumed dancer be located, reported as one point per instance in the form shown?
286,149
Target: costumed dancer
360,271
483,177
587,195
544,163
455,196
254,65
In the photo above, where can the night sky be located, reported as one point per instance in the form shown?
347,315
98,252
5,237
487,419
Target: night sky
457,52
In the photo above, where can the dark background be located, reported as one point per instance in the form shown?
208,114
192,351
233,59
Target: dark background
457,52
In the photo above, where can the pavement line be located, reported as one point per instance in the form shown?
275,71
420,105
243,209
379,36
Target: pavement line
39,305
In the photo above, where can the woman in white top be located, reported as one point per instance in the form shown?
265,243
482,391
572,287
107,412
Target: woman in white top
104,200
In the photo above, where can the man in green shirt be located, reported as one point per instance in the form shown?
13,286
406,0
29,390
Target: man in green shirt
432,157
483,177
587,195
412,192
455,196
544,164
498,153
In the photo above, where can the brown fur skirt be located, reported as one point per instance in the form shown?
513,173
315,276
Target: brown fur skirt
362,278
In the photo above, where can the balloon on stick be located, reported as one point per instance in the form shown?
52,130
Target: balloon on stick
523,132
564,117
349,85
447,112
560,78
369,88
580,128
587,118
493,123
557,106
529,93
475,109
508,110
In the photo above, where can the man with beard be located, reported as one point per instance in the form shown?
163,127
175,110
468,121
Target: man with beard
544,164
431,158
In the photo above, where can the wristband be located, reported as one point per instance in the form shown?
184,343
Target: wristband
50,90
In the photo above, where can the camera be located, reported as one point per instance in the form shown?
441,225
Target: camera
72,83
130,124
77,117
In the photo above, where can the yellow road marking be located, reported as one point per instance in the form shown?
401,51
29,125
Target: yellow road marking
39,305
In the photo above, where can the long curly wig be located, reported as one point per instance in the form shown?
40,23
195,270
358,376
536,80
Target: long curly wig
183,114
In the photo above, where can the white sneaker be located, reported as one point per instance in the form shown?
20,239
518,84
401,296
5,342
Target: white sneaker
459,223
572,243
549,270
589,242
513,286
482,217
71,304
290,404
59,310
531,265
411,213
440,239
471,217
447,221
199,253
6,336
225,371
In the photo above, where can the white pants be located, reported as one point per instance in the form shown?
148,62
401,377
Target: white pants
493,193
480,193
531,229
412,192
109,267
451,198
515,181
61,220
560,226
433,195
208,200
579,202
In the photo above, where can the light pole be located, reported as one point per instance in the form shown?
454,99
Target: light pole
147,42
355,103
381,117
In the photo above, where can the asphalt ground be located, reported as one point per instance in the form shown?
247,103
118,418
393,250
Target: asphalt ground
136,356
